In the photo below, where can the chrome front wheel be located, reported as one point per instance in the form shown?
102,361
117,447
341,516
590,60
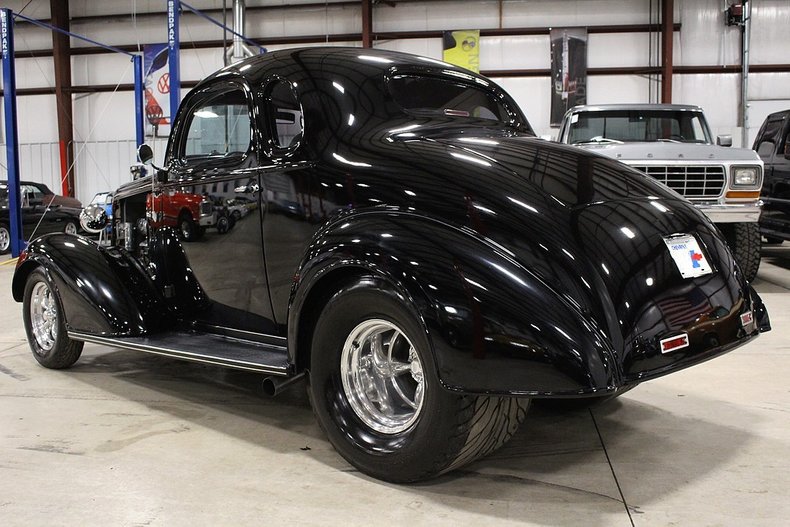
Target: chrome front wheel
382,376
43,316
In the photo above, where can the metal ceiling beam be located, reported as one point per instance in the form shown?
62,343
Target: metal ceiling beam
352,37
535,72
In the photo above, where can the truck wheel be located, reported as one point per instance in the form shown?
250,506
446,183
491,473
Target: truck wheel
46,331
375,391
187,228
744,241
5,238
223,224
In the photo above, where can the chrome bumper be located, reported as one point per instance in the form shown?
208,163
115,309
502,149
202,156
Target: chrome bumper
732,212
208,220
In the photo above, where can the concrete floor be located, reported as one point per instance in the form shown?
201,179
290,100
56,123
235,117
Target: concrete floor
132,439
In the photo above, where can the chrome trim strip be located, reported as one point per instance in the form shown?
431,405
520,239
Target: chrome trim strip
266,338
185,355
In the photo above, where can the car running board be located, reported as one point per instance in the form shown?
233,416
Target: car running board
203,347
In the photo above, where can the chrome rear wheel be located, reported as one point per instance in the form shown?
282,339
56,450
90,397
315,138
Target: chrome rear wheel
382,376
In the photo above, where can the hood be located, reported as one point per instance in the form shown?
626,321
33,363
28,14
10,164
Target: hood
669,151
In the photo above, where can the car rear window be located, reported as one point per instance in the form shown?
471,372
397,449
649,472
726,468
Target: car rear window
441,96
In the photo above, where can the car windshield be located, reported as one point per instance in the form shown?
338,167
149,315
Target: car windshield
102,198
625,126
440,96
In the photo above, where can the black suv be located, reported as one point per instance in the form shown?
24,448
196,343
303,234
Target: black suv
773,147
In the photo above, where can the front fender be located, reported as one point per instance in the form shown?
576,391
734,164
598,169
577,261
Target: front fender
102,291
493,325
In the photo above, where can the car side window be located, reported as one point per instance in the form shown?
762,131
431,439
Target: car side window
769,138
31,195
285,110
219,127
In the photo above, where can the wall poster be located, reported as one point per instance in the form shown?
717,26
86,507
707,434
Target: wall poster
462,48
157,90
568,71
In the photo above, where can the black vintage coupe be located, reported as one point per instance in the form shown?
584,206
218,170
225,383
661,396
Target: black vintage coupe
413,250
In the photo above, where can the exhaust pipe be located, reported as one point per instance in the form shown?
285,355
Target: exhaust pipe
276,385
238,50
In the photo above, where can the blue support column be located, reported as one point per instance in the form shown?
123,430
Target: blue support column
174,43
11,136
139,100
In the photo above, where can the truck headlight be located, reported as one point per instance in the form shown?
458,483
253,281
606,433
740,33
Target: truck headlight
746,176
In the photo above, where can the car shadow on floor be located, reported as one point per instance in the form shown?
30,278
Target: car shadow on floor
554,459
776,254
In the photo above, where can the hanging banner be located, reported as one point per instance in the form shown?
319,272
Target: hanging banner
462,48
568,71
157,90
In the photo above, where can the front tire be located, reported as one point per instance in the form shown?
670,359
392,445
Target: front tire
45,326
187,228
376,392
744,241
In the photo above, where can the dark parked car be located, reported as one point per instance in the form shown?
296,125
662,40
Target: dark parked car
773,146
38,217
448,266
41,193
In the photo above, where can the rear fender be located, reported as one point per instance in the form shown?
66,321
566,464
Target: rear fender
103,291
493,326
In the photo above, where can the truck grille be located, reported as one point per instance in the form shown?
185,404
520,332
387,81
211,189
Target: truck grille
690,181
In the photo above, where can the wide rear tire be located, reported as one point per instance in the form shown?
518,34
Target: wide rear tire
375,391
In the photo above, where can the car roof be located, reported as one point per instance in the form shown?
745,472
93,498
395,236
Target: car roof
778,115
325,59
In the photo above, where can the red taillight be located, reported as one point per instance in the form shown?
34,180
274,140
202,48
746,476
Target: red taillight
747,318
674,343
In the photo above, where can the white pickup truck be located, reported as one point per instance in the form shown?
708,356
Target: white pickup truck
673,144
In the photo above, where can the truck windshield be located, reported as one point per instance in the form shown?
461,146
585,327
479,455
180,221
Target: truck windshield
624,126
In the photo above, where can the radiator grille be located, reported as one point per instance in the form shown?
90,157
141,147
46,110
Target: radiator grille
206,208
690,181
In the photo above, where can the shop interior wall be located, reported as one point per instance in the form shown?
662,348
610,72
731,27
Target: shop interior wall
105,120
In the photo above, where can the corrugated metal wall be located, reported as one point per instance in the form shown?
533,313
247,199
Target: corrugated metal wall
703,40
